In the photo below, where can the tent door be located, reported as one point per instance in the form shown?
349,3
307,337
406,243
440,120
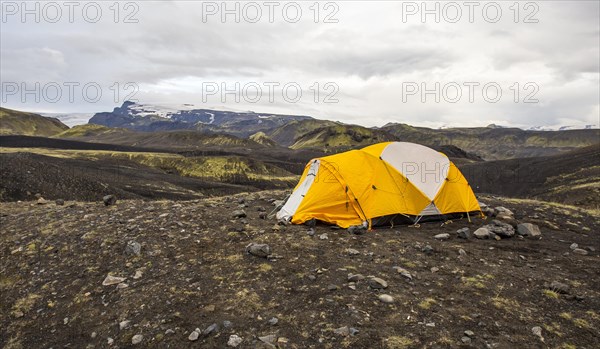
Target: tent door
292,204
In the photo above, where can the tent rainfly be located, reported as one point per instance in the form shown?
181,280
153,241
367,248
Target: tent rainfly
381,184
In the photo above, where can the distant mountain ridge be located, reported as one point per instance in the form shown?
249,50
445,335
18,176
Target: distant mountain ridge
150,118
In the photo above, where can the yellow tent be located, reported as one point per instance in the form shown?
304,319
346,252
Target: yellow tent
378,183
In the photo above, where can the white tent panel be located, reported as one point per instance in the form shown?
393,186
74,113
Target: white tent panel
424,167
293,202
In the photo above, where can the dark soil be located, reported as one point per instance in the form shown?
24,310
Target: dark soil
193,271
25,174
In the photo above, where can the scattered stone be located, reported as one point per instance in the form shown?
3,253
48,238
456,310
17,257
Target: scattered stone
430,324
137,339
227,324
462,253
353,331
503,210
234,340
133,248
464,233
138,274
112,280
262,215
124,324
110,341
427,250
324,236
559,287
386,298
59,202
444,236
501,229
109,200
194,335
42,201
268,339
273,321
238,214
574,246
377,283
538,332
580,251
332,287
469,333
169,331
355,277
276,227
311,232
528,229
482,233
434,269
352,252
403,272
259,250
342,331
465,339
357,229
210,329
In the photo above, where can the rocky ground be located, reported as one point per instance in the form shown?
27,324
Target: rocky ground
177,274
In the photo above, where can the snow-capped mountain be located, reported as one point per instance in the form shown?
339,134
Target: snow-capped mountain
149,117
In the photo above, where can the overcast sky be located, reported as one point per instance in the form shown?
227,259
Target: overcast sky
370,60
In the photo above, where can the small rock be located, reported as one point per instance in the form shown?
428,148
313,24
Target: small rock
311,232
353,331
462,253
528,229
580,251
112,280
501,229
133,248
427,250
109,200
59,202
386,298
538,332
259,250
503,210
355,277
110,341
124,324
464,233
227,324
357,229
210,329
403,272
262,215
434,269
238,214
377,283
194,335
332,287
169,331
469,333
430,324
444,236
574,246
273,321
234,340
465,340
352,252
138,274
137,339
324,236
559,287
482,233
276,227
41,201
342,331
268,339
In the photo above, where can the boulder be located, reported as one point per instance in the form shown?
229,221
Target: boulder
528,229
464,233
482,233
501,229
